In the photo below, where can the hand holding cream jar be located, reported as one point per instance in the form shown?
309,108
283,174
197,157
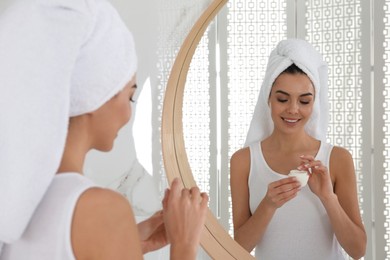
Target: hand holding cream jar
302,176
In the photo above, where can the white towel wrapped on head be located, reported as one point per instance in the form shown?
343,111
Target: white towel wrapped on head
302,54
58,58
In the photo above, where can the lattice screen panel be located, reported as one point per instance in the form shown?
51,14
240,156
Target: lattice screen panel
386,129
334,27
176,18
254,29
196,116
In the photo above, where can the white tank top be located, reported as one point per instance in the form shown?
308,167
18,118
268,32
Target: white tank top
300,229
48,235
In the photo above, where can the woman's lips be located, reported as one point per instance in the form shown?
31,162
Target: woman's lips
290,120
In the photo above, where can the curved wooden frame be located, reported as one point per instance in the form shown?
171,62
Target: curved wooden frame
215,240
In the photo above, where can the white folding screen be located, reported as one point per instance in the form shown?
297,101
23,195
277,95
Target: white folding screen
253,30
175,20
381,71
334,28
198,116
226,75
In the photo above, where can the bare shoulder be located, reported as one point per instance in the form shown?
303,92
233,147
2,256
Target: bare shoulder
240,155
105,195
240,163
103,227
341,165
340,154
340,158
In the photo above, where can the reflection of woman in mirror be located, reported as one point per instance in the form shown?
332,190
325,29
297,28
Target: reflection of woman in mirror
273,212
68,75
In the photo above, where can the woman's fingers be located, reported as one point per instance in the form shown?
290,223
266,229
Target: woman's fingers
185,193
284,183
310,164
307,158
184,216
165,199
176,188
195,193
281,191
177,191
205,199
313,166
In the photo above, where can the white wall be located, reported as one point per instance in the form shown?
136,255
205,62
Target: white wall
4,4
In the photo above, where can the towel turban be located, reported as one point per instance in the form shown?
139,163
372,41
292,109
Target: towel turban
303,55
58,59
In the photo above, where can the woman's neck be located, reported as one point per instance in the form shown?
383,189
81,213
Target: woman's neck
72,160
76,147
289,143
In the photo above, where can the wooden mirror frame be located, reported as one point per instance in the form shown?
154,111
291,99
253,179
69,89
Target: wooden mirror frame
215,240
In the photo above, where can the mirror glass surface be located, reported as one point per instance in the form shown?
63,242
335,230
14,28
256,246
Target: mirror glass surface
226,74
221,92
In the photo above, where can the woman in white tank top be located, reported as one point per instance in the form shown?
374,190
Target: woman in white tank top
272,212
67,72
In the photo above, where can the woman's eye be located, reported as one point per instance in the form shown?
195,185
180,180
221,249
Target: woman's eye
304,102
281,100
131,99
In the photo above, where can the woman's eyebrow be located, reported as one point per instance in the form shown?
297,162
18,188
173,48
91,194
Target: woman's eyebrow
287,94
282,92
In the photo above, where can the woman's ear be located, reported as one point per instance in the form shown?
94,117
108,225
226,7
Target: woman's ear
269,97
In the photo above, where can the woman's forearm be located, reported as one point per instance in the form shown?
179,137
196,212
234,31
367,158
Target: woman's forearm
179,252
349,234
250,233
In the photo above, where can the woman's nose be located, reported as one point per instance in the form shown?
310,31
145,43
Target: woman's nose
293,108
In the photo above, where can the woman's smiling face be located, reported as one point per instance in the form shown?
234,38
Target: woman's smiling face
291,102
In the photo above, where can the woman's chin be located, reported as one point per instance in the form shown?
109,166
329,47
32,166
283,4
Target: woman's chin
106,147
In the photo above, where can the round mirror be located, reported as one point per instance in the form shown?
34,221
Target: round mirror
215,240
